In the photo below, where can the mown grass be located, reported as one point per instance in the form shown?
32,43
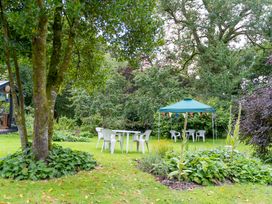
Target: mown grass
117,180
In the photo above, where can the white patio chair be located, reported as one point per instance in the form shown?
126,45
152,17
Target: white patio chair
175,135
100,135
142,140
190,133
135,138
200,133
109,140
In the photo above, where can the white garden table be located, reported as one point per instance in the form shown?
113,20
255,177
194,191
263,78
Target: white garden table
127,132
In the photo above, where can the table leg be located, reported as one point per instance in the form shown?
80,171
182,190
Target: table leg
127,141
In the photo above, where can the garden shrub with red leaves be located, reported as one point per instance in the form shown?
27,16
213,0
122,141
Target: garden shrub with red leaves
256,123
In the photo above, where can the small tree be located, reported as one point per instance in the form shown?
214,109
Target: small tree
256,123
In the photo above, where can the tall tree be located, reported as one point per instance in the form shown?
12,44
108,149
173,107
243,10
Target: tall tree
205,36
10,53
123,27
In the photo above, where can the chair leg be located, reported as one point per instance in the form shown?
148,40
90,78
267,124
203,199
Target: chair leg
175,139
147,146
112,145
137,146
103,146
121,145
143,148
97,143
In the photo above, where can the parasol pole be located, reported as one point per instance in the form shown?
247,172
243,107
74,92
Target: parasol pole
159,125
213,126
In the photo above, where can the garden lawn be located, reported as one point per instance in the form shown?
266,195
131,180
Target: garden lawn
117,180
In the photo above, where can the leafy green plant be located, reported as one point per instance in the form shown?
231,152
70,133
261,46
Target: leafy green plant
244,169
212,167
62,136
148,162
60,162
233,140
162,146
65,123
85,134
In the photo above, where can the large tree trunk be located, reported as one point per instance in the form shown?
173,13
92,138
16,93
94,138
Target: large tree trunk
40,137
18,111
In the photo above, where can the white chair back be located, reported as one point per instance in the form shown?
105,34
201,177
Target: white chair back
108,134
174,133
146,135
99,132
201,132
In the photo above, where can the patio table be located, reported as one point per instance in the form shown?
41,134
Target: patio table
127,132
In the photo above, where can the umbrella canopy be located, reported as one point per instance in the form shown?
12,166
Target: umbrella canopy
187,105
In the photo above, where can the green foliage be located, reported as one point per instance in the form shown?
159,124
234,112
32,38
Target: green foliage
64,136
85,134
211,167
244,169
162,146
129,100
65,123
233,140
149,162
206,35
60,162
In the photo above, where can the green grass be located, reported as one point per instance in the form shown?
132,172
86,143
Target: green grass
117,180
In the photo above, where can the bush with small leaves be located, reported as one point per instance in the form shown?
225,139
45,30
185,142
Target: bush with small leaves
209,167
60,162
64,136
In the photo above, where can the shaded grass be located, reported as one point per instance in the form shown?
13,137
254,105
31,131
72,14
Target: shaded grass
117,180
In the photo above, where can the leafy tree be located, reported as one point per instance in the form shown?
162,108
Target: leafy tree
207,36
10,53
55,27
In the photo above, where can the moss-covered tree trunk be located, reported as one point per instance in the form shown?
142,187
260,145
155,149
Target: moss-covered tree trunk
40,136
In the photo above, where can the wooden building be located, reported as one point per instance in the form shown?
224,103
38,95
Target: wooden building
7,122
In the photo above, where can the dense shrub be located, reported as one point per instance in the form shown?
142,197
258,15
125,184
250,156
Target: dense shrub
149,162
162,146
60,162
85,134
256,123
65,123
62,136
209,167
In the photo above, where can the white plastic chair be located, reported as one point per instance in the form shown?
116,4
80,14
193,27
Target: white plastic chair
100,135
110,140
200,133
175,135
142,140
190,133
